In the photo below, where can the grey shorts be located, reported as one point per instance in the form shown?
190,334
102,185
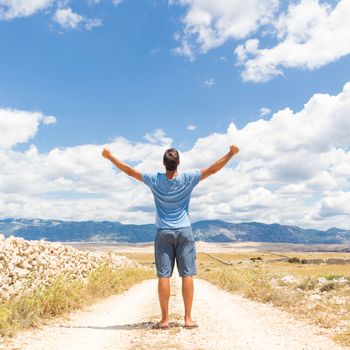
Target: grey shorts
175,244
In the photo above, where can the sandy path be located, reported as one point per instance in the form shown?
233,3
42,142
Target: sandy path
226,321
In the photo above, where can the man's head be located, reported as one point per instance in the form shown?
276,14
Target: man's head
171,159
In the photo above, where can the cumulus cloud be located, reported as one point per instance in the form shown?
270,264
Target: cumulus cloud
309,35
158,136
10,9
49,120
90,23
62,14
292,168
285,165
19,126
334,204
209,83
264,111
68,19
208,24
117,2
191,127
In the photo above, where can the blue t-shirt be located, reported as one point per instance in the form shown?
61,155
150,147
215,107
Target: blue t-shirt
172,197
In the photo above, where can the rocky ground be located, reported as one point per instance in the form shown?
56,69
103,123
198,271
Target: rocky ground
25,265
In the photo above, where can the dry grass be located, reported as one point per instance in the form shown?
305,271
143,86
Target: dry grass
65,294
343,338
258,277
305,270
252,283
144,259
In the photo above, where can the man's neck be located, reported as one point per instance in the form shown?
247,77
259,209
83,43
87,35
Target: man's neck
171,174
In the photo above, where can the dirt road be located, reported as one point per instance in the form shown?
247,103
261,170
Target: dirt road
225,321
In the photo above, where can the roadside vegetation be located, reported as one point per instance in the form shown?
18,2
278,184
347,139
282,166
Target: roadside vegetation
317,293
65,294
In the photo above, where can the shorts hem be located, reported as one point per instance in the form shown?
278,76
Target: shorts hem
188,274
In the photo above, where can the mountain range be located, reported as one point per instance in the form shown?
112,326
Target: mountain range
208,231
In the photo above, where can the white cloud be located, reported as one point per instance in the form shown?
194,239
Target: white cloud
158,136
68,19
19,126
295,157
208,24
62,3
10,9
309,35
264,111
117,2
90,23
63,15
333,205
49,120
292,169
191,127
209,83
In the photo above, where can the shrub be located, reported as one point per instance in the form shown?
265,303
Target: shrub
307,284
65,294
332,277
326,287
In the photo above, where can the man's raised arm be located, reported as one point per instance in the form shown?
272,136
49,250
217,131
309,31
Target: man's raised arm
125,168
219,164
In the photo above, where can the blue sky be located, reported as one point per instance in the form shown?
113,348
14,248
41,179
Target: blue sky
107,70
122,77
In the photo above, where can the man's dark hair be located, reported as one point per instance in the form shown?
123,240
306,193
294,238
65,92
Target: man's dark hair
171,159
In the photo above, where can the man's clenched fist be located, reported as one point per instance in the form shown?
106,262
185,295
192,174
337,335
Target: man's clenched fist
106,153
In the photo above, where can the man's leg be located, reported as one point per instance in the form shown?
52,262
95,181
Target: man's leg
186,263
165,260
187,294
164,296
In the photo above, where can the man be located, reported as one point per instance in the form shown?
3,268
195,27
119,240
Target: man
174,239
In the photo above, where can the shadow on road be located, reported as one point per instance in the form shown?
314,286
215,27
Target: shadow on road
132,326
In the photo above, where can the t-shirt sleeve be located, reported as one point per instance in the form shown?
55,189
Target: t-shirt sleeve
193,177
149,179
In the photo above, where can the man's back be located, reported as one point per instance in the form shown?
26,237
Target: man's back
172,197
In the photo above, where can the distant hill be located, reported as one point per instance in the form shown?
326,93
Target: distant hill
208,231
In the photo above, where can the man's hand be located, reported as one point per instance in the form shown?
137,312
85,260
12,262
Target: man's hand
106,153
234,150
125,168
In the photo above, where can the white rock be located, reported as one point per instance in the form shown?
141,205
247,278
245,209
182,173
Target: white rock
341,280
315,297
19,272
289,279
40,260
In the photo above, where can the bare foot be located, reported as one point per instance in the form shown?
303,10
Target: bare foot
161,325
190,324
